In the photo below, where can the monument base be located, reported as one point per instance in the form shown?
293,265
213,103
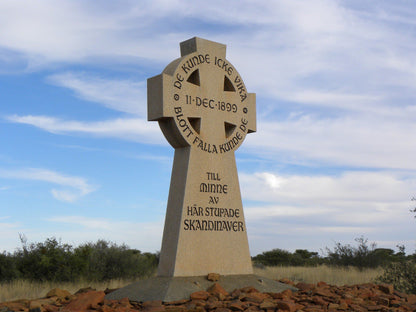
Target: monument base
170,289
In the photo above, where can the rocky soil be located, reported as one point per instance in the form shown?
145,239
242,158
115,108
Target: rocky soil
308,298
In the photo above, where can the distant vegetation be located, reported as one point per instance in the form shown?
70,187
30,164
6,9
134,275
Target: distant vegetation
54,261
362,256
399,268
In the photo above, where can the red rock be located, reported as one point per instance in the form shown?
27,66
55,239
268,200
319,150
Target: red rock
152,303
287,293
357,308
199,303
118,309
153,306
223,310
177,302
236,293
313,309
256,297
286,306
106,308
125,302
411,299
200,295
39,303
322,284
343,306
386,288
211,305
60,293
324,293
383,301
287,281
84,290
320,301
304,286
50,308
267,304
249,289
180,308
213,277
217,289
376,308
84,301
333,306
237,305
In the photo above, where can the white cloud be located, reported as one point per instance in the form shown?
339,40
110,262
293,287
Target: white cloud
78,186
90,223
321,208
121,95
355,186
356,63
146,236
360,142
133,129
363,199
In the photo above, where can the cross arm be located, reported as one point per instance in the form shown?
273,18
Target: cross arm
251,113
158,93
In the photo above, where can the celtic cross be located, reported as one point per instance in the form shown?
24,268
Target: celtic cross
205,112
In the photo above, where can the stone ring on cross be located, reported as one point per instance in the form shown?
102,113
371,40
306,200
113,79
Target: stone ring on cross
206,100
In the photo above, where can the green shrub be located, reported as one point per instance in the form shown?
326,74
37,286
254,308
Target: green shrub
48,261
301,257
107,260
402,275
8,270
57,262
363,255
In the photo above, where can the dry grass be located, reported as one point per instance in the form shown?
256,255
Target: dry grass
21,289
332,275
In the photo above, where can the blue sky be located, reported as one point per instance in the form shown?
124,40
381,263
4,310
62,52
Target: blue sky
333,157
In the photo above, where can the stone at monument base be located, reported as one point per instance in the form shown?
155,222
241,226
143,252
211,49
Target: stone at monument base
170,289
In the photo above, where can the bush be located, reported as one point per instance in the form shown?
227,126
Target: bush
402,275
106,261
48,261
301,257
8,270
57,262
361,256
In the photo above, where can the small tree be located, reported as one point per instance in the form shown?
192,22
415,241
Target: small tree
402,272
362,256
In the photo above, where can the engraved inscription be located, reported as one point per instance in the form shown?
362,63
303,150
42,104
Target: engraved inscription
206,218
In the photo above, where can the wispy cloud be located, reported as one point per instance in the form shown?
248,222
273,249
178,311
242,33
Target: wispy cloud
133,129
91,223
121,95
75,187
337,204
358,142
350,187
142,235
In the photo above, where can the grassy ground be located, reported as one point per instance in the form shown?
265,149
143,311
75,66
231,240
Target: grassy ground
21,289
332,275
336,276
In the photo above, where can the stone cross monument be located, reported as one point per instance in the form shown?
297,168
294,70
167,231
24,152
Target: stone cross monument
205,112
